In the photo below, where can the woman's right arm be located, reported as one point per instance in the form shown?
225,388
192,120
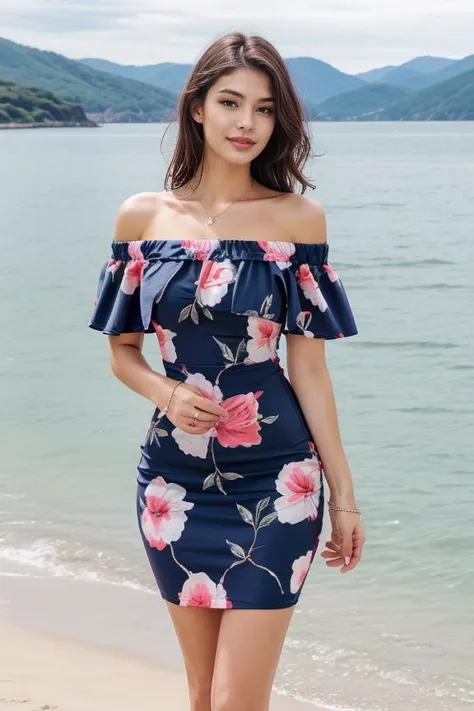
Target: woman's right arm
126,359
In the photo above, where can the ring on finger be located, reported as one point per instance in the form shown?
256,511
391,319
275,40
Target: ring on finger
195,418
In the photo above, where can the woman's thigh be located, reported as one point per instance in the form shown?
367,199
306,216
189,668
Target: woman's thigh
197,630
246,659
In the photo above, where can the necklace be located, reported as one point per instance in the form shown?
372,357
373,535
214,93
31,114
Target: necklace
212,218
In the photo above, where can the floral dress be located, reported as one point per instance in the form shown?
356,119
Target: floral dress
230,518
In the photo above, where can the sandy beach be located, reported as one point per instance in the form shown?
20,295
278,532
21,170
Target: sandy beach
42,672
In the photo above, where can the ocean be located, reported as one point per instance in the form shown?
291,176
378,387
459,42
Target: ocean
398,631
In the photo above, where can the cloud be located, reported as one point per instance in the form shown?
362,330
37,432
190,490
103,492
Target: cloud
353,35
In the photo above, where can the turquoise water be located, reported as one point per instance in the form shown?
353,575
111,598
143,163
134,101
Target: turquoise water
397,632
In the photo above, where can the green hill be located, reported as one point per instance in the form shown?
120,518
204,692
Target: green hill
451,100
104,97
353,105
29,105
314,80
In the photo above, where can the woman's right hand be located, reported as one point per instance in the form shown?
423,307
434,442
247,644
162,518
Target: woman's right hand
187,401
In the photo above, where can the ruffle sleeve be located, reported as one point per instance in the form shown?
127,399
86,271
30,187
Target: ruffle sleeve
117,303
317,303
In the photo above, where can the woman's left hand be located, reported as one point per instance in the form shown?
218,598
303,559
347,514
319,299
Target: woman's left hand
344,550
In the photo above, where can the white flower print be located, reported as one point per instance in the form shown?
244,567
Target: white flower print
133,273
163,517
214,281
279,252
331,272
263,338
200,248
300,485
310,287
200,591
300,569
303,320
113,265
193,444
165,340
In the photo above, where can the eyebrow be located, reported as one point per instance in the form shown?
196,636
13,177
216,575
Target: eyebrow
241,96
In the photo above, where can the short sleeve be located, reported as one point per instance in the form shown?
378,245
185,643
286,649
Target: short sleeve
117,307
318,306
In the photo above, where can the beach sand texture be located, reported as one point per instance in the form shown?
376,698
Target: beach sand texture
40,672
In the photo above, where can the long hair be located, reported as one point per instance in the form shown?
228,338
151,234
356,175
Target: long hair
279,166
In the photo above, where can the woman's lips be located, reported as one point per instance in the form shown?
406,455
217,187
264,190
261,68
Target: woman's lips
241,144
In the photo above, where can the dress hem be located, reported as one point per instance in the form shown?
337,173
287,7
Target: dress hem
237,605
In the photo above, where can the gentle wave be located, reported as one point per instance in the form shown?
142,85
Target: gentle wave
47,557
433,345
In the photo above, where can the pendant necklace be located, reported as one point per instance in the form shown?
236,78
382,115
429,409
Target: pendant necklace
212,218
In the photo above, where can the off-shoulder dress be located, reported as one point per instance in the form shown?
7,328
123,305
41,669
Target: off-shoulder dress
231,518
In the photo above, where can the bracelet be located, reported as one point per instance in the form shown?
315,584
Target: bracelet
165,410
334,507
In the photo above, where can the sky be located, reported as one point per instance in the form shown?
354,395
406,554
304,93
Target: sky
352,35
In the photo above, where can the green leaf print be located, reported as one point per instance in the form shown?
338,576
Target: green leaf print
194,313
236,549
226,352
184,313
231,475
245,513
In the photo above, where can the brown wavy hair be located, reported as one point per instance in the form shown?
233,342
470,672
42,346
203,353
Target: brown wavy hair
279,166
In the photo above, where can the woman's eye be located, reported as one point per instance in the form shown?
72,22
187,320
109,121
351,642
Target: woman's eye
229,102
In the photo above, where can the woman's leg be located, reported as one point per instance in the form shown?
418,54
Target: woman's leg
247,655
197,630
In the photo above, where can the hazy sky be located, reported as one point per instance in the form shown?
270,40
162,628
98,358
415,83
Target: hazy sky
353,35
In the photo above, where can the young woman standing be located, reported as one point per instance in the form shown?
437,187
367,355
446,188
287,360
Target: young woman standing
221,263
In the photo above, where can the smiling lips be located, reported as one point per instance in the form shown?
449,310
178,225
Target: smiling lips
242,141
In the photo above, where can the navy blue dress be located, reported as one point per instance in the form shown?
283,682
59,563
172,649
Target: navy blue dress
231,518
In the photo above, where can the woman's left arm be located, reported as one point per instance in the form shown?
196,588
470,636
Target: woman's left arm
310,379
309,376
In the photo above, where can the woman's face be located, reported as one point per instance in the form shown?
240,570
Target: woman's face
238,105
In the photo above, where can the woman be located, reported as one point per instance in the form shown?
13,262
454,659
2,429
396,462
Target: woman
228,257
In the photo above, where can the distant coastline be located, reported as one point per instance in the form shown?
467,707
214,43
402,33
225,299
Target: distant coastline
51,124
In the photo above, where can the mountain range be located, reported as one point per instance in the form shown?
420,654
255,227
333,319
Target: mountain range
425,88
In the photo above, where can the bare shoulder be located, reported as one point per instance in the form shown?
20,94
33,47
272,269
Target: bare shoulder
135,214
306,219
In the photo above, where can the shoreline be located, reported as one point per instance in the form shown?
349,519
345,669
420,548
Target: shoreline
75,645
51,124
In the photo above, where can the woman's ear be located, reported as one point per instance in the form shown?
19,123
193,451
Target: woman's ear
197,111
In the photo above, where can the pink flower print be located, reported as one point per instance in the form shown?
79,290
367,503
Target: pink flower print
299,483
213,281
279,252
193,444
213,392
200,591
163,517
132,275
300,570
241,427
310,287
263,339
303,320
165,340
330,272
113,265
200,248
